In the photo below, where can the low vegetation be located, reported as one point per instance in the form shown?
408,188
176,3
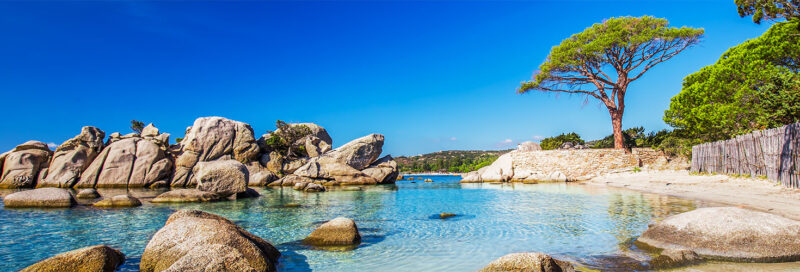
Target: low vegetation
454,161
285,139
556,142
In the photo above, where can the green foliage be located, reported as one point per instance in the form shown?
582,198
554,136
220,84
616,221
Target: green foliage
285,139
178,140
551,143
753,86
604,59
677,144
448,161
633,137
137,126
769,9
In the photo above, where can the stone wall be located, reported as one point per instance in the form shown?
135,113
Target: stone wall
562,165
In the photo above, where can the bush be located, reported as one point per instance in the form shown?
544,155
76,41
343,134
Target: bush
675,145
551,143
633,137
285,139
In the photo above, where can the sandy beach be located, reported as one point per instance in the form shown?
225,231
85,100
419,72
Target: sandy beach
752,193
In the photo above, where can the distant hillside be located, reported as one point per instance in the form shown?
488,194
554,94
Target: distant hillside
455,161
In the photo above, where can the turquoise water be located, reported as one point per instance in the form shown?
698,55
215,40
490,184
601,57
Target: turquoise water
582,223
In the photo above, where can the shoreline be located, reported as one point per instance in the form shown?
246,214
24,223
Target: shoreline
751,193
431,174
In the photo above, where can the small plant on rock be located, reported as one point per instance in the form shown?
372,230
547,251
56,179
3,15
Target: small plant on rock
285,139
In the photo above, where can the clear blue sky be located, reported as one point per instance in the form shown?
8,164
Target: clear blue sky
429,75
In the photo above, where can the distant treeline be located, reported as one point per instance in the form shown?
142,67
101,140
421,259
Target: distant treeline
455,161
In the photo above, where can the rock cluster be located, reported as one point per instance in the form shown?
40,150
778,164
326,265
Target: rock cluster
217,155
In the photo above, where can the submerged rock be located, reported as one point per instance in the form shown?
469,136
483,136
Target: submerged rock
445,215
675,257
73,157
529,261
21,167
88,193
42,197
198,241
118,201
728,233
185,195
340,231
98,258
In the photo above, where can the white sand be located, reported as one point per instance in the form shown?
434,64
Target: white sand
752,193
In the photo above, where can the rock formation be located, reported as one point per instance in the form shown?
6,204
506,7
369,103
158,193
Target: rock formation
529,261
209,139
384,170
127,163
340,231
728,233
21,167
529,146
198,241
42,197
98,258
73,157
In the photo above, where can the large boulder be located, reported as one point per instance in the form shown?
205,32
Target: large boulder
42,197
471,177
316,131
259,174
528,146
20,167
340,231
73,157
500,170
186,196
529,261
132,162
358,153
213,138
384,170
100,258
198,241
315,146
223,177
338,173
728,233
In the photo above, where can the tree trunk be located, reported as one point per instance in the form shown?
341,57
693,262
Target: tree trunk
616,122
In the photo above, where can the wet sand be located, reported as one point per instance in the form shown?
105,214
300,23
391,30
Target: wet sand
751,193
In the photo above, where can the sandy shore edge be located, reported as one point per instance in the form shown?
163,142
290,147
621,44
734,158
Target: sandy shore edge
751,193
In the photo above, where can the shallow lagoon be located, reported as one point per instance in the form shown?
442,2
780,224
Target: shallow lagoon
399,224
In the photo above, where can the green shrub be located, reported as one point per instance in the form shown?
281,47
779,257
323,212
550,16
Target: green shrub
551,143
285,139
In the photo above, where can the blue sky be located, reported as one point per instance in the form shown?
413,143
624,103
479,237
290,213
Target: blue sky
429,75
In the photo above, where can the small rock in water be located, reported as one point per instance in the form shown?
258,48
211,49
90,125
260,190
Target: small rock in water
529,261
340,231
89,193
118,201
428,180
186,195
292,205
313,187
93,258
445,215
411,178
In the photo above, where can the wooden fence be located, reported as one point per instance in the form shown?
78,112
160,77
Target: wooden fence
771,153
